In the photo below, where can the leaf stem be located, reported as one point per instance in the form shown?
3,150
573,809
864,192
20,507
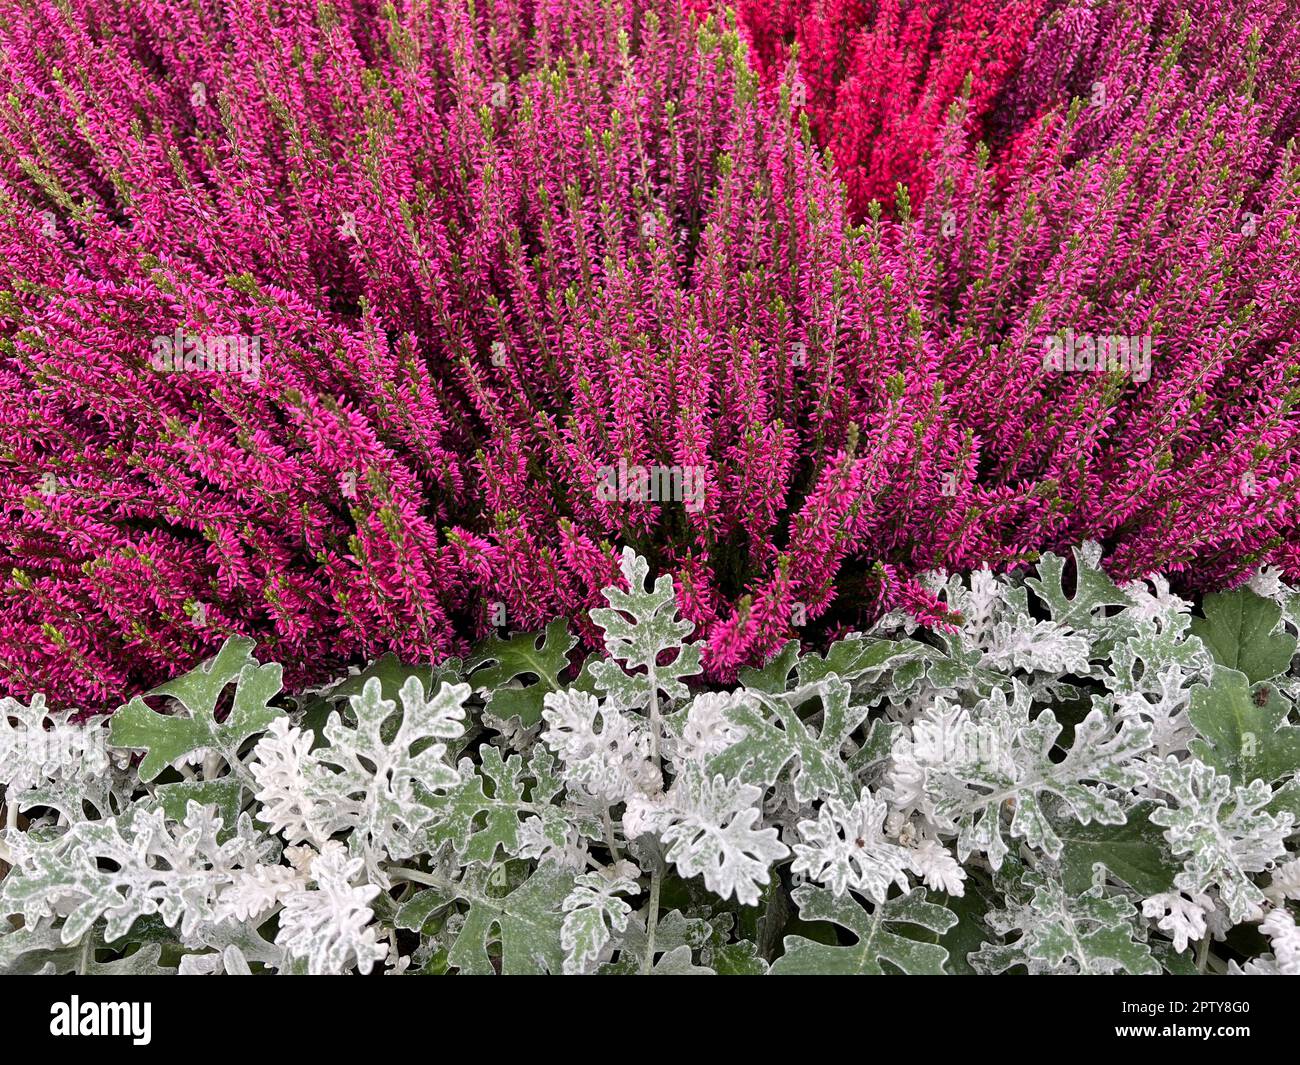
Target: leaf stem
655,726
609,836
652,921
11,824
1203,954
415,876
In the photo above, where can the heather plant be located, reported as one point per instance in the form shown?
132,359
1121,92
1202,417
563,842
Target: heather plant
876,78
1081,777
1084,49
529,282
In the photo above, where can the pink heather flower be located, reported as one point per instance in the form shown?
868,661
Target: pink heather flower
532,286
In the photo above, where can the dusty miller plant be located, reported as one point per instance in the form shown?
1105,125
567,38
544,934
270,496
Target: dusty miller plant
1078,777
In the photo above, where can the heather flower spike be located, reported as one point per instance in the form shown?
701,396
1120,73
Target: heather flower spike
799,489
585,279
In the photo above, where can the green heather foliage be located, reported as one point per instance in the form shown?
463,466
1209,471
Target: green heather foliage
1076,777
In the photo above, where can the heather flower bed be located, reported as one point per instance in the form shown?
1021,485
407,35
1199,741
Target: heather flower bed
1093,781
402,346
352,336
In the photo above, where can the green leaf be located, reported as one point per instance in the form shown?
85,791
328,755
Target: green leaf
1239,737
738,959
862,659
852,659
1134,852
1286,800
392,674
967,934
774,677
30,951
521,656
168,738
526,923
1173,962
1088,933
876,943
200,688
678,962
1238,629
477,821
776,736
1093,591
1138,663
875,749
593,913
640,627
676,934
224,794
420,909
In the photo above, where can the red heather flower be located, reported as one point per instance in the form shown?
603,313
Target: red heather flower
528,286
876,77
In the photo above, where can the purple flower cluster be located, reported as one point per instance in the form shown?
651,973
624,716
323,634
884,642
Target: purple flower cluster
364,326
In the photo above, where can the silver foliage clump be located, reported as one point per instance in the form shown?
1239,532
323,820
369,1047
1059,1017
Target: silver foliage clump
1071,776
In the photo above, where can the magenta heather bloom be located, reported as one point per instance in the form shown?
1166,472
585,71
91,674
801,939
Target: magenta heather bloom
366,328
